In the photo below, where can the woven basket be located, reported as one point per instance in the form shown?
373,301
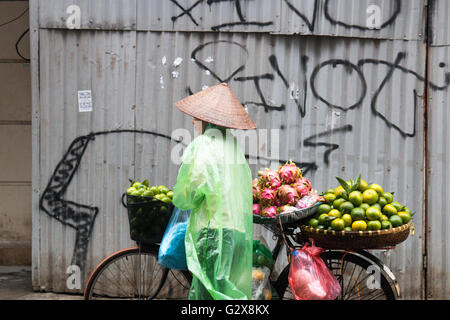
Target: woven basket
376,239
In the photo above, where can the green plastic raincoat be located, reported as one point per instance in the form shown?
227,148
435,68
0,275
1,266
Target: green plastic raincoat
215,181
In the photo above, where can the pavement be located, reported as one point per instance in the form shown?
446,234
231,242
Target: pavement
15,284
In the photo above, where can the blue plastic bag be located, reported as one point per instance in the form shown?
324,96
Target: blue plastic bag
172,251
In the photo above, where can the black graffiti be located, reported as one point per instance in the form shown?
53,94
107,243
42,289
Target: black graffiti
393,67
310,23
78,216
214,74
350,68
242,20
185,11
392,18
330,147
304,61
263,103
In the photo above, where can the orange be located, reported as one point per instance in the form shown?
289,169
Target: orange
359,225
370,196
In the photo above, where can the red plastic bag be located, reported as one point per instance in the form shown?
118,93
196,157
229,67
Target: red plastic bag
309,277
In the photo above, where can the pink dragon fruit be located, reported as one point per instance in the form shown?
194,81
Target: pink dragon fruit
256,190
256,209
269,212
268,196
287,195
270,179
289,173
303,186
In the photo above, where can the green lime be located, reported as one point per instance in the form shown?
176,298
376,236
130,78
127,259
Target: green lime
377,188
130,190
159,196
320,226
370,196
329,198
388,196
338,224
365,206
397,206
374,225
382,202
347,219
356,198
363,186
323,208
334,213
406,209
136,193
170,194
386,224
358,214
147,193
163,189
323,219
137,185
389,210
395,220
340,192
166,199
406,217
329,191
337,203
348,229
154,190
346,207
313,222
377,205
373,213
359,225
384,217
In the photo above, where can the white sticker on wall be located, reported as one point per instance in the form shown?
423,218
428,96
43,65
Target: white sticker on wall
84,101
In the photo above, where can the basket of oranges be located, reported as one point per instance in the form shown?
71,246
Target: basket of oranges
358,215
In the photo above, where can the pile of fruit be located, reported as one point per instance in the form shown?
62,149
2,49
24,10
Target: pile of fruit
281,191
142,189
357,206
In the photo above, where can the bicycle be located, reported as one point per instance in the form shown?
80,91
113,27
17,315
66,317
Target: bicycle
134,273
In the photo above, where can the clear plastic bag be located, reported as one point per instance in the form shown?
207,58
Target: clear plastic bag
261,289
172,251
309,277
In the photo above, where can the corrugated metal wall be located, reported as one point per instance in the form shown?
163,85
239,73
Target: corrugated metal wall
345,99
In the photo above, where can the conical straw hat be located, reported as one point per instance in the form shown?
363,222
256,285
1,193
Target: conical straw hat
217,105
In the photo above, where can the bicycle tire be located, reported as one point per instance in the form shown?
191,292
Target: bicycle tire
335,260
117,277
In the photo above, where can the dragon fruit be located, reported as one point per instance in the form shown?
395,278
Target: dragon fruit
256,209
256,190
289,173
303,186
270,179
287,195
268,196
269,212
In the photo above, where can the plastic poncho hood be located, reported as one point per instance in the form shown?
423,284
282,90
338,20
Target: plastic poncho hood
215,182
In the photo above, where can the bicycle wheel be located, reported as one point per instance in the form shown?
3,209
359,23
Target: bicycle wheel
358,277
134,273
